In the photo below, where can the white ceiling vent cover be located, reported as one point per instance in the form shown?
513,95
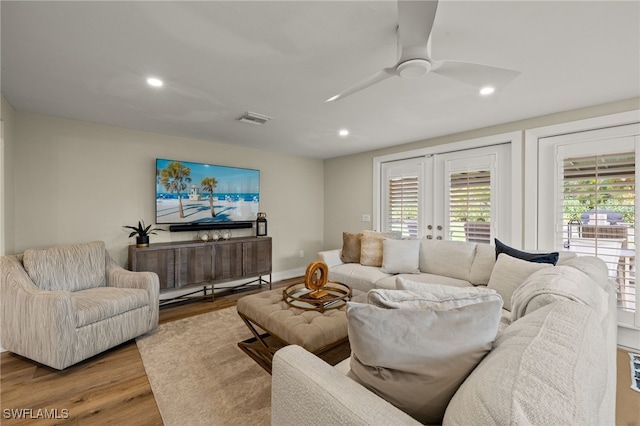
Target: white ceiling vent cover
253,118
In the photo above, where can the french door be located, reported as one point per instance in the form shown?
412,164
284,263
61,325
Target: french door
460,196
588,198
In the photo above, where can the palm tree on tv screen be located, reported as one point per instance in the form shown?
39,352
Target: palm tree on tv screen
208,184
175,178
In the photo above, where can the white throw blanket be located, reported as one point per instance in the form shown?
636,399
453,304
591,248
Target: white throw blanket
558,283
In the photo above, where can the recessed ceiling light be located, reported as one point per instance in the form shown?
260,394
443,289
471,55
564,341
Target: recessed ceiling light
155,82
487,90
343,132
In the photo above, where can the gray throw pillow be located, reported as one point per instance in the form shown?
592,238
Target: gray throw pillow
415,349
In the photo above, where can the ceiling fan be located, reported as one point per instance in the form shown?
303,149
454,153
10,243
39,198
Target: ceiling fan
415,21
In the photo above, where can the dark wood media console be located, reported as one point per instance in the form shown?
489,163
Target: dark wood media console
188,264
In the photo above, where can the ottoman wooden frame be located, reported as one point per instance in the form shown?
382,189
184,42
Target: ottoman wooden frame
262,346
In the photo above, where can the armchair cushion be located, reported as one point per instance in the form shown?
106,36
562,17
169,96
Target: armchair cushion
97,304
67,268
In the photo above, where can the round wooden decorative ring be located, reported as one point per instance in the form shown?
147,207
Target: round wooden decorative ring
311,280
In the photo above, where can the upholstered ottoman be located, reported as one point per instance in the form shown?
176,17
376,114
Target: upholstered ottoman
318,332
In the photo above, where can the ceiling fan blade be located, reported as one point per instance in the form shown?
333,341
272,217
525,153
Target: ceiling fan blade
475,74
415,21
376,78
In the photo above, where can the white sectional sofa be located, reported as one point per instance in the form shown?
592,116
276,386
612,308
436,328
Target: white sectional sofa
459,264
553,361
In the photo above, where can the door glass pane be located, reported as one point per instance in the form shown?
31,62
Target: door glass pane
598,215
403,205
402,196
470,206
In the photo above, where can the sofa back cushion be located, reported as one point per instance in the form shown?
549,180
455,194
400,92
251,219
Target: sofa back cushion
509,273
67,268
548,368
482,265
449,258
415,348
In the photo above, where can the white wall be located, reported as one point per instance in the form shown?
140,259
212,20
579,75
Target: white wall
77,181
349,180
7,115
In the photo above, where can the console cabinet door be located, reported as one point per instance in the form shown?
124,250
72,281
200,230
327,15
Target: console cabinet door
228,261
257,257
195,265
160,261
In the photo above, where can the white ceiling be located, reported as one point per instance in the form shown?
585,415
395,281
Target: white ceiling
219,59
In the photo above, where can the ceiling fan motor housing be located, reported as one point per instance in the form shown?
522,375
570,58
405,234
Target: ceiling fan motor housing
413,68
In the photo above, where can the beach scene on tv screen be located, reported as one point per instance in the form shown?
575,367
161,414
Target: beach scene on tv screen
189,192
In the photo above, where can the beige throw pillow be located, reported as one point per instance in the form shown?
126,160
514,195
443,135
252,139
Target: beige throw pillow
351,247
415,349
400,256
371,247
509,273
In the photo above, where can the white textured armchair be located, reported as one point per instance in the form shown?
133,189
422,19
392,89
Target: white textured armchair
64,304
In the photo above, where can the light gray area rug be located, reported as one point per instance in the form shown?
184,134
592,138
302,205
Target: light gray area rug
199,376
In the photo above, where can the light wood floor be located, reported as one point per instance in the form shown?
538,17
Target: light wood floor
112,388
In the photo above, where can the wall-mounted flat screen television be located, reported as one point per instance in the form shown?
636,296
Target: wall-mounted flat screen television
195,193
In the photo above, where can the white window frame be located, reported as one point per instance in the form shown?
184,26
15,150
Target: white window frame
515,139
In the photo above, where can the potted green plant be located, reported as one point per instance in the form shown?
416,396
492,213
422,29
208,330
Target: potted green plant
142,232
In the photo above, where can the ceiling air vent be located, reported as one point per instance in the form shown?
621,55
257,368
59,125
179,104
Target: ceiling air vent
253,118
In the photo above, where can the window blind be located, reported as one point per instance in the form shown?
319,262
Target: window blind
598,216
403,199
470,206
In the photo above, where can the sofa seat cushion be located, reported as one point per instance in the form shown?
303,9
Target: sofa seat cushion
97,304
390,282
356,276
415,349
67,268
548,368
